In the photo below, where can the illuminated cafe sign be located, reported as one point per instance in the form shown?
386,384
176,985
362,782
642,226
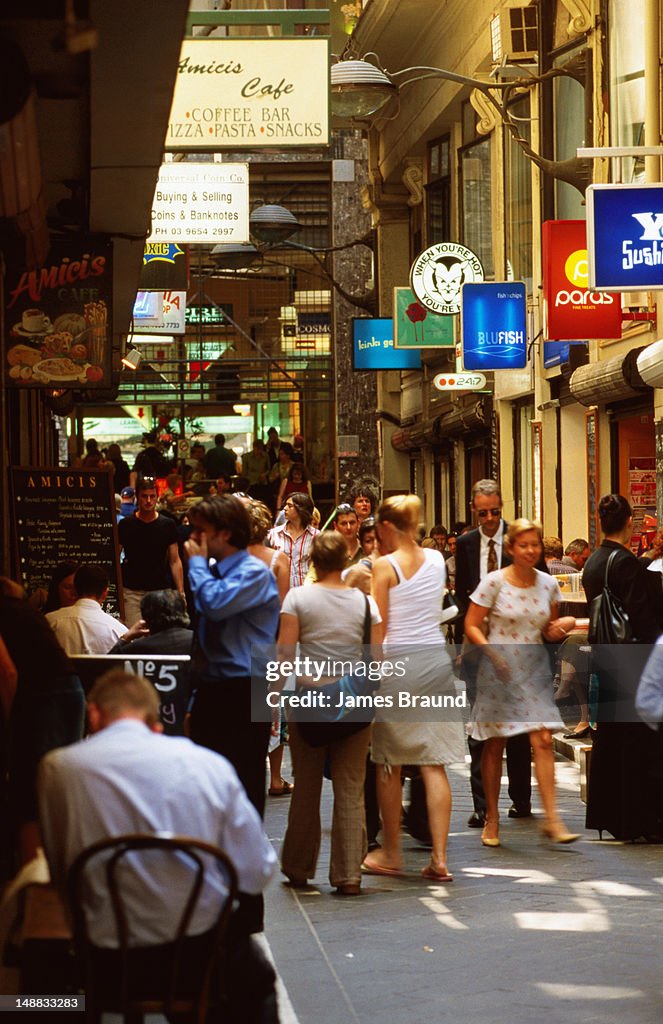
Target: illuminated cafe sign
250,93
625,237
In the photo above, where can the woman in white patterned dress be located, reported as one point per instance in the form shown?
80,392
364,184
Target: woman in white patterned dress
520,604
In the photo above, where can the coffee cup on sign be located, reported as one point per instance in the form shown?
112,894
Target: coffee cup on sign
33,321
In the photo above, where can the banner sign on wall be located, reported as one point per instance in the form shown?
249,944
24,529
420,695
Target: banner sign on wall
494,326
250,93
373,347
414,328
58,317
625,237
571,309
201,203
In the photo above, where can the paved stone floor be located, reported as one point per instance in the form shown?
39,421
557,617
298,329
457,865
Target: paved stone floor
526,932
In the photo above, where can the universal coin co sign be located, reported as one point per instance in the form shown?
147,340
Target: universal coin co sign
439,273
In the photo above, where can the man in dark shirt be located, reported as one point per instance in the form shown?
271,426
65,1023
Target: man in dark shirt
149,541
220,461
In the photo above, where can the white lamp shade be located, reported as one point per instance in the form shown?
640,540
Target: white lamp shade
273,223
132,359
359,89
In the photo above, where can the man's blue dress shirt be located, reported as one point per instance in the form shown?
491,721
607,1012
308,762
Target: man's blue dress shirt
238,601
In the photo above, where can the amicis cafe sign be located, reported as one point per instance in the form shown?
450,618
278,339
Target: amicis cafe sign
248,93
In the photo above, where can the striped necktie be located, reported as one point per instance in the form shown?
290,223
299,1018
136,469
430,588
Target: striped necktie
492,556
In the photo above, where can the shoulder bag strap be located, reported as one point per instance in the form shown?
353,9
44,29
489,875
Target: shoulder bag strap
367,623
611,559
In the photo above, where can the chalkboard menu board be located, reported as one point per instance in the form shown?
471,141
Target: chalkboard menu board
65,515
170,675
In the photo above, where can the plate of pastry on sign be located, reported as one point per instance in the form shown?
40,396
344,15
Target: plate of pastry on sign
51,352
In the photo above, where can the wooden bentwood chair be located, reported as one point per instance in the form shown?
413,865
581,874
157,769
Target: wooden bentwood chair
173,978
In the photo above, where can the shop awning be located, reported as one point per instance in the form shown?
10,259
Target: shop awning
609,381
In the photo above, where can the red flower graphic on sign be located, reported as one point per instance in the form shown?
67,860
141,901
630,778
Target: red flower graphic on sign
416,314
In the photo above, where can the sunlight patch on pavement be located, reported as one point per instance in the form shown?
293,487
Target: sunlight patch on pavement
587,992
442,912
532,876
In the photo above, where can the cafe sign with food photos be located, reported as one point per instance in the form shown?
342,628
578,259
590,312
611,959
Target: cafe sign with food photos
58,332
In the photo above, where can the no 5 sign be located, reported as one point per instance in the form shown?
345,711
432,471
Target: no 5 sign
459,381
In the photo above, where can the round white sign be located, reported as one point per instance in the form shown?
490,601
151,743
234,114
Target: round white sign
438,274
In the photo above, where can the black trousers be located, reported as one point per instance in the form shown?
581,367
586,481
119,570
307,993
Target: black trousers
221,721
518,767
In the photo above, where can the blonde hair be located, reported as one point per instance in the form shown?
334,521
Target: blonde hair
519,526
261,521
403,511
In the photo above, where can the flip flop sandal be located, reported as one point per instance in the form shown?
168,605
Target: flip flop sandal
377,869
431,875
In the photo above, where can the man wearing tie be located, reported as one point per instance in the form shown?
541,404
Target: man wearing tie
477,553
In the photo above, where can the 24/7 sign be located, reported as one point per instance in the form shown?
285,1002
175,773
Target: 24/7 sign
459,381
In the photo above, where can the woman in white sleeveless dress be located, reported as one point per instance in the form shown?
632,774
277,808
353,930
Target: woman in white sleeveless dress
408,585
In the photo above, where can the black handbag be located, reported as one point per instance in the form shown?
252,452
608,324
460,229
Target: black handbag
609,623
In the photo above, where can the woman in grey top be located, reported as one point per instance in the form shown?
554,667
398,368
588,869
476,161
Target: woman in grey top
327,619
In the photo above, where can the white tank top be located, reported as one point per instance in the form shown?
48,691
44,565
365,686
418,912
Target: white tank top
415,604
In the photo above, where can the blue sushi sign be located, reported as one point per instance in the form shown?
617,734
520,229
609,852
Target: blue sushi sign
625,237
494,326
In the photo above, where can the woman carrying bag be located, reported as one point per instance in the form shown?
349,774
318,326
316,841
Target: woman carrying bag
625,792
328,619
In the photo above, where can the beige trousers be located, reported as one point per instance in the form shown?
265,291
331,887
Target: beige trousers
301,845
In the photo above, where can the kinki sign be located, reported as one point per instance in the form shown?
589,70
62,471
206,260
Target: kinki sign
625,237
571,309
249,93
438,274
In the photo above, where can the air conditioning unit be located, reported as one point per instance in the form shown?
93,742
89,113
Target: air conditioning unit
514,34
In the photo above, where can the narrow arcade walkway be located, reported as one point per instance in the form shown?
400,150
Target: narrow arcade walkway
528,931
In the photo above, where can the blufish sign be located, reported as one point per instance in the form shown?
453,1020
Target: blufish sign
494,326
625,237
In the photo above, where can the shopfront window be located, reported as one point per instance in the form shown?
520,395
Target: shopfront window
438,192
477,205
570,130
626,22
518,193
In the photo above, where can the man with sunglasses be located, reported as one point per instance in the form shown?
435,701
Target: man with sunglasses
479,552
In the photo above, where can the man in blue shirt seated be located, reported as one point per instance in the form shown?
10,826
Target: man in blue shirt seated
237,601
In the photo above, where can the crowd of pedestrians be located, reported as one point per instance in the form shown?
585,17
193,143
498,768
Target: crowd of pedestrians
368,584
